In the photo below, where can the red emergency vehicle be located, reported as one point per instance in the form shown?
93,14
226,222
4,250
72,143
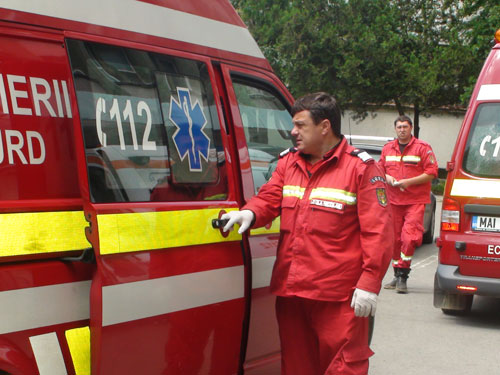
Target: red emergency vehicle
127,128
469,243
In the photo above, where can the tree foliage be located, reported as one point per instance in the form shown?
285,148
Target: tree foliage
418,54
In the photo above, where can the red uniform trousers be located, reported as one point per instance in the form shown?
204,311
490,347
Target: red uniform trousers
321,337
408,230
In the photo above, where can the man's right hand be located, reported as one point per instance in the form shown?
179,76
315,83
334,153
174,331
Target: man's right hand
391,180
244,218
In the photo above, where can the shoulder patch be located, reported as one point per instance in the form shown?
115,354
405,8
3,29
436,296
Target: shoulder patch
288,150
363,155
377,178
381,197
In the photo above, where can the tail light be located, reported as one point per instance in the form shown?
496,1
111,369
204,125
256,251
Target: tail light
450,215
467,288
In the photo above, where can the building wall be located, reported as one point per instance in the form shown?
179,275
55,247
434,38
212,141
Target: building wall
440,129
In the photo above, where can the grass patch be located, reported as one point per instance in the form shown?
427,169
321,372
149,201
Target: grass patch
437,186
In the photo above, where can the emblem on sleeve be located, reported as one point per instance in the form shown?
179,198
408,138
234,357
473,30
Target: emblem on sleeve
377,178
381,196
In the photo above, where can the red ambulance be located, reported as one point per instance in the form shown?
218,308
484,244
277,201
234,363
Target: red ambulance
127,128
469,243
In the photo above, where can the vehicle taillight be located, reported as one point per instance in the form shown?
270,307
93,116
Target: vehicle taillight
450,215
467,288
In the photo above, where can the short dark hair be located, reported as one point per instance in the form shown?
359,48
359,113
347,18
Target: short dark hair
403,118
321,106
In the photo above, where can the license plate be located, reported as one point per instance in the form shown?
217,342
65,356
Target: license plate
486,223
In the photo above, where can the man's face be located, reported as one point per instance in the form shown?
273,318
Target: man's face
403,131
308,136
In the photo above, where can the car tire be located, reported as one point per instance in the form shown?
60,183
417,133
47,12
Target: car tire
428,236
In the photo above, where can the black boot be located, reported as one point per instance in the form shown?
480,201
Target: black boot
401,280
392,284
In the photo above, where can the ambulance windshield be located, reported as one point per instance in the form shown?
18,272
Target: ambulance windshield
482,153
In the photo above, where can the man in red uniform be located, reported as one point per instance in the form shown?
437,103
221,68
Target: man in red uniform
334,246
410,166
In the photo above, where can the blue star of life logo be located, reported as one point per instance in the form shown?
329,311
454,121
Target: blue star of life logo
189,138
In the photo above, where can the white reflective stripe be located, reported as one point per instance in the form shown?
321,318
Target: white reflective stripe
48,355
393,158
395,261
489,92
31,308
144,299
476,188
43,306
415,158
406,257
334,194
293,191
142,17
262,269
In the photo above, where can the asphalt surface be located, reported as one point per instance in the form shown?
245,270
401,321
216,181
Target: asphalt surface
411,337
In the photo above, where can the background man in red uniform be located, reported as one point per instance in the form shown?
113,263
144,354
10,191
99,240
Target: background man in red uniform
410,166
334,246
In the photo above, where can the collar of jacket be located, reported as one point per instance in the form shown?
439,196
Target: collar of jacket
329,157
395,143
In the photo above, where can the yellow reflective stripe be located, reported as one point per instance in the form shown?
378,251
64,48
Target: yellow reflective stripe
392,158
413,158
293,191
476,188
275,228
79,346
410,158
122,233
334,194
406,257
42,232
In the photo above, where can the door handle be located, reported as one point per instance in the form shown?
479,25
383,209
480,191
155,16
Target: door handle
219,223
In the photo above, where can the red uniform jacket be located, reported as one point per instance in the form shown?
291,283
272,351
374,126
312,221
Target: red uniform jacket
336,229
417,158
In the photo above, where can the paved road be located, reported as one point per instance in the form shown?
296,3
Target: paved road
412,337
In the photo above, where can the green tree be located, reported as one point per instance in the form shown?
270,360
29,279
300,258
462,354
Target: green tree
482,19
419,54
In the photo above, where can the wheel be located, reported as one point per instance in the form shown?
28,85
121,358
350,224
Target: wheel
428,236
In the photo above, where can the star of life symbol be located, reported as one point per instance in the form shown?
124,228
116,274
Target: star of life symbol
189,138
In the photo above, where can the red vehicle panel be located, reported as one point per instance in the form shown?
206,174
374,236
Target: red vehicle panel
121,144
469,257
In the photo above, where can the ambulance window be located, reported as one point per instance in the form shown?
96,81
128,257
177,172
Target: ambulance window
150,126
482,153
268,126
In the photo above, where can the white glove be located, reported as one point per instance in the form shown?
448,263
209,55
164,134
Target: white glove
244,218
364,303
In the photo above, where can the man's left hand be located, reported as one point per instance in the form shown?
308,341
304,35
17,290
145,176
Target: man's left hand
402,184
364,303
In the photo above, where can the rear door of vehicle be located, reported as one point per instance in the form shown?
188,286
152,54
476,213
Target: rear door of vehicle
477,187
259,109
167,296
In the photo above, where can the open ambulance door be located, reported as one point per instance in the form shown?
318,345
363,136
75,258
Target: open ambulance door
259,107
168,290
